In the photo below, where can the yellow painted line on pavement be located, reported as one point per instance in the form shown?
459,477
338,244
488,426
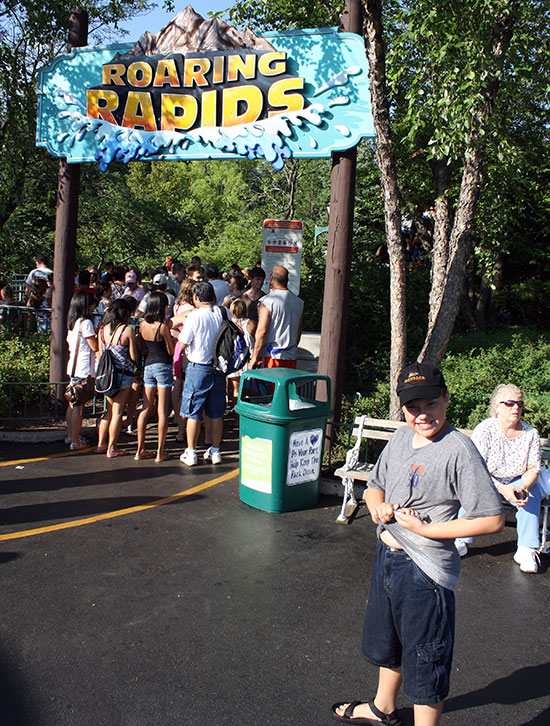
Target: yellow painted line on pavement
119,512
45,458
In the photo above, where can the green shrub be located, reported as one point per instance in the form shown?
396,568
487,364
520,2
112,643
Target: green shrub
475,363
22,359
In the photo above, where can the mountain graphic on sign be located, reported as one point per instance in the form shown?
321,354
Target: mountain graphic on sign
190,32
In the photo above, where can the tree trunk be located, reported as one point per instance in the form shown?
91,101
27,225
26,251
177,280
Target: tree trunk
376,55
292,181
65,239
442,230
445,303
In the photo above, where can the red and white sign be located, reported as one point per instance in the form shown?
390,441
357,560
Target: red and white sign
282,245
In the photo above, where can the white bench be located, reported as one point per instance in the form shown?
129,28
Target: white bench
357,469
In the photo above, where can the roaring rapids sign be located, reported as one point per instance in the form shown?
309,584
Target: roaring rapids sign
301,94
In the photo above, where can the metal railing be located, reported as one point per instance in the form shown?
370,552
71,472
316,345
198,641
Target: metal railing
18,284
24,319
37,401
30,320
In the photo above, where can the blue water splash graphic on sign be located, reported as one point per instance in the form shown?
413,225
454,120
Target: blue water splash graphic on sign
258,140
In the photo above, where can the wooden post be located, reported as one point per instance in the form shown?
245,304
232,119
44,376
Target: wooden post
65,237
338,263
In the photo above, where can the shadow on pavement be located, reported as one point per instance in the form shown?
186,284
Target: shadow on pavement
6,557
15,704
523,685
86,478
32,513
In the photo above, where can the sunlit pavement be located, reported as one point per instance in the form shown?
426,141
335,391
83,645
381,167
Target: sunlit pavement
202,610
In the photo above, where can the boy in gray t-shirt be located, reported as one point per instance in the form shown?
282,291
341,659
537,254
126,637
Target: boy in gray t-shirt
425,473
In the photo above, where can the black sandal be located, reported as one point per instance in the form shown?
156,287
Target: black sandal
388,719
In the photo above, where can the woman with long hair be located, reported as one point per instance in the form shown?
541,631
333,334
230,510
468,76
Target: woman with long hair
120,338
237,310
236,284
82,341
158,376
38,300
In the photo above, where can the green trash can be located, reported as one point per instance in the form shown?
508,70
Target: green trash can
282,435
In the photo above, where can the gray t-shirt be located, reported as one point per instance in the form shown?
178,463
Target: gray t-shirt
286,310
435,481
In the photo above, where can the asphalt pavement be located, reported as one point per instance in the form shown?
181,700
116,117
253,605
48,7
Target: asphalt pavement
136,593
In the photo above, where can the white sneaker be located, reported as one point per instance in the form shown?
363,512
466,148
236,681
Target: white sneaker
189,457
527,559
462,547
213,456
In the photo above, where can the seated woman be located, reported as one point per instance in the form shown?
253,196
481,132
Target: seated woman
511,450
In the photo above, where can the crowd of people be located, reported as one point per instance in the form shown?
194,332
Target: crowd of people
161,337
37,297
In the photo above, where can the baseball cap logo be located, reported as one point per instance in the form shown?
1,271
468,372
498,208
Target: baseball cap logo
414,376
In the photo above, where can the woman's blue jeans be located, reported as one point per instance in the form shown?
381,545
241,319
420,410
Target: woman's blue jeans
527,518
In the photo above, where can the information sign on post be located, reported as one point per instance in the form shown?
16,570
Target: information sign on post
282,245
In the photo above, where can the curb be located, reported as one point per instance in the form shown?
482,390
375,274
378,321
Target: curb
31,437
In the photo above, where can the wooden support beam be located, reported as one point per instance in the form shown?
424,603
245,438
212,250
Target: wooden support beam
65,237
338,262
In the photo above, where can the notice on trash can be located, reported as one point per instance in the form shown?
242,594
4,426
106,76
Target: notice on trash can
256,458
304,456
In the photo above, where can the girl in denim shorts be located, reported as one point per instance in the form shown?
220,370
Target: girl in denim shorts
158,379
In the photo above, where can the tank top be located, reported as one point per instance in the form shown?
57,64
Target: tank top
120,353
156,350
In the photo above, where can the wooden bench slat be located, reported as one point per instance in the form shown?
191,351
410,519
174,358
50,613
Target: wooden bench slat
383,430
372,434
361,472
380,423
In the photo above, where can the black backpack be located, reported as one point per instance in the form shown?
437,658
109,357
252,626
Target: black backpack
230,352
106,378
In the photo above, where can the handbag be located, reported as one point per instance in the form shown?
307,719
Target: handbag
82,391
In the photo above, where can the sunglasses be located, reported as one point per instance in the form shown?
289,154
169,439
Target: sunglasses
511,404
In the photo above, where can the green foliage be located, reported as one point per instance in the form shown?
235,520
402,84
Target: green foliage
473,366
476,364
31,34
285,14
23,359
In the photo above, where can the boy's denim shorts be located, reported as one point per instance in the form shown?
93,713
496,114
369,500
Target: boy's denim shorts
203,390
158,375
409,623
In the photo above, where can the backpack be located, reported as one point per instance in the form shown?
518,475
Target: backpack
106,378
230,352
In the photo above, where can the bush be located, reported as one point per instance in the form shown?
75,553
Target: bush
474,365
23,359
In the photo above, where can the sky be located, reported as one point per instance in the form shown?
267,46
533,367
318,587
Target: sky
157,19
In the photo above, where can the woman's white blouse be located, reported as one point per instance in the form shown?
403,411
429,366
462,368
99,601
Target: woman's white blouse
507,458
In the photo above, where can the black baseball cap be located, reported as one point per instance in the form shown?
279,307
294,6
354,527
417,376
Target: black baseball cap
420,380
